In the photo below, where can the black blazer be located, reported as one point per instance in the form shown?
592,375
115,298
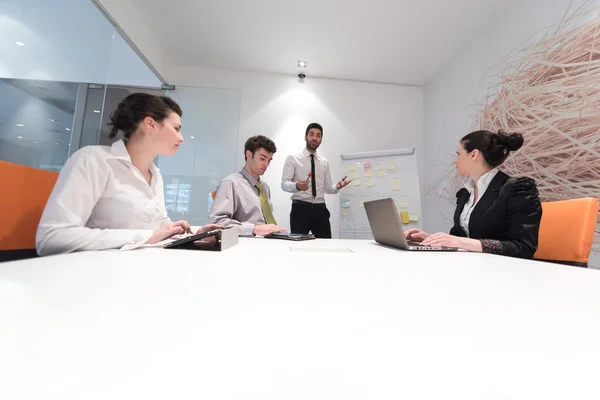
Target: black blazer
506,218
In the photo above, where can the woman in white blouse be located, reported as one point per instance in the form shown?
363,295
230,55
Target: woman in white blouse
494,212
111,197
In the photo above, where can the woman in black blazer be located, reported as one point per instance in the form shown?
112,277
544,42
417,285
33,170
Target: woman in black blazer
494,212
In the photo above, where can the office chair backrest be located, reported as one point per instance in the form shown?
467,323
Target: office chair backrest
25,191
567,231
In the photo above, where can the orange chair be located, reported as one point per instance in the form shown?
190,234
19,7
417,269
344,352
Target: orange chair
25,193
567,231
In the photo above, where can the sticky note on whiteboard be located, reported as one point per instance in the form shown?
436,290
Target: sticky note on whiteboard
370,182
391,164
355,174
402,204
381,173
346,212
368,172
405,217
395,184
346,204
413,217
353,167
356,183
362,204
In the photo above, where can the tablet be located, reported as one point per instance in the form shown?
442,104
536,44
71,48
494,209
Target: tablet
193,238
290,236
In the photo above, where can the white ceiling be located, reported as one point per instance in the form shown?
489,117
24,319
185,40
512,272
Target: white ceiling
392,41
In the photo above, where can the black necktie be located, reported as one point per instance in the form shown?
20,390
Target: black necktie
313,181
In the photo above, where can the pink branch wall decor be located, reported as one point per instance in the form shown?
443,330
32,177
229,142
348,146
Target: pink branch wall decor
551,94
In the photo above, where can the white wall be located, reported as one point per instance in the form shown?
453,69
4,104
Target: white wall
450,97
355,117
66,40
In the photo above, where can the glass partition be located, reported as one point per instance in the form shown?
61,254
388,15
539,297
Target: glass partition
210,127
64,68
36,122
56,59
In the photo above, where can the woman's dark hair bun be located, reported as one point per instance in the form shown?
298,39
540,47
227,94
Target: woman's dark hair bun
137,106
515,141
494,147
122,119
512,141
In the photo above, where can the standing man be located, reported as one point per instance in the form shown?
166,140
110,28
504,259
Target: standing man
243,199
308,176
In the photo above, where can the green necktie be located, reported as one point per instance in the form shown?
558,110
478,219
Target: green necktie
264,204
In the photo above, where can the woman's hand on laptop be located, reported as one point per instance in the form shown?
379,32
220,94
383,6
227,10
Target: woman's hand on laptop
446,240
416,235
443,239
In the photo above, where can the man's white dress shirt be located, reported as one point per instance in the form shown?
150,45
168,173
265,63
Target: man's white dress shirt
297,167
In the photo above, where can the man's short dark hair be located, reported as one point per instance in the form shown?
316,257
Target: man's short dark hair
257,142
314,125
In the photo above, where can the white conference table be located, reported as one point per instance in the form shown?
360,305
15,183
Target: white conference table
272,319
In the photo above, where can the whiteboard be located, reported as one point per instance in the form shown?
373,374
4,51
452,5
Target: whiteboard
377,175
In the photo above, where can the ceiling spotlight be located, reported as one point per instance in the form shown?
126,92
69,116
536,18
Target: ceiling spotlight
55,142
97,111
54,121
19,137
68,129
302,64
34,142
20,44
191,137
20,125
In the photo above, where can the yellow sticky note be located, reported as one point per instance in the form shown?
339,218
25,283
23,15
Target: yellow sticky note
368,172
391,164
353,167
356,182
405,217
381,172
413,217
347,168
355,175
370,182
402,204
362,204
395,184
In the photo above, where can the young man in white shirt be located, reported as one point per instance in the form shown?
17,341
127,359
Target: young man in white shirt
307,175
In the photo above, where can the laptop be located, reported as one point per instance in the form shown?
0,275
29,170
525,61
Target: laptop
387,227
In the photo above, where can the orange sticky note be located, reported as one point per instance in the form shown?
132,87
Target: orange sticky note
405,217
